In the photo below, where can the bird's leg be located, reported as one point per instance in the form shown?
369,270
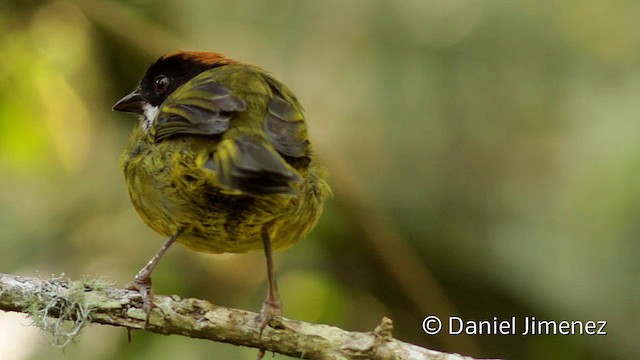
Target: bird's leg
142,282
272,305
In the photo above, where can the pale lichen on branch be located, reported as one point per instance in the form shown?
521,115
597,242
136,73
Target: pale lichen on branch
63,308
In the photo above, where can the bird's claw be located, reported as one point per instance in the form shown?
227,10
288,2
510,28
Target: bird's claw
267,313
143,286
270,309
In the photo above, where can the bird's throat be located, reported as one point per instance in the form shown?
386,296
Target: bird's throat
150,113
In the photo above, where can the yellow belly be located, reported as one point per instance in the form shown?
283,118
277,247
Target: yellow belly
171,191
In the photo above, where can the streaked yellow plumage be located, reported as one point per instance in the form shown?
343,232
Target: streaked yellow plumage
172,189
220,162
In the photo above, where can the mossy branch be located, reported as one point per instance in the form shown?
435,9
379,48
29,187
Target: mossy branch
80,303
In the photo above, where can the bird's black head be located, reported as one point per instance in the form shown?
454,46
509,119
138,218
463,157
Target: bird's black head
166,75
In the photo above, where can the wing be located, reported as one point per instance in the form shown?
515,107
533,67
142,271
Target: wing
247,164
199,106
284,123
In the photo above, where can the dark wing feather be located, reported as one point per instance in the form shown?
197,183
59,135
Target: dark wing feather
284,123
245,163
200,107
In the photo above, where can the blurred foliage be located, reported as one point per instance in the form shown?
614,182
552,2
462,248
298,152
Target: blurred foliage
496,142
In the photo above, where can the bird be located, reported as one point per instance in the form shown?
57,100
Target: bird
221,162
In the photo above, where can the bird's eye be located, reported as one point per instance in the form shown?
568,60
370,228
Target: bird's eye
160,84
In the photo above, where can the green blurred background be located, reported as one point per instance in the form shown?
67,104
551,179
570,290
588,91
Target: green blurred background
484,157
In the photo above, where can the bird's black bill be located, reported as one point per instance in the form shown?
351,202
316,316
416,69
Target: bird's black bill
132,103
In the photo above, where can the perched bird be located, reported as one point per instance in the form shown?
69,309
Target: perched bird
220,162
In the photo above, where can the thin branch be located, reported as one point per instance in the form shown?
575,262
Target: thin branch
92,301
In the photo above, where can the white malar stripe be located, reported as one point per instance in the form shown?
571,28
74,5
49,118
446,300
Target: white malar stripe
150,113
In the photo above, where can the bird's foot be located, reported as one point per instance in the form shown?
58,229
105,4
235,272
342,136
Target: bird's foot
142,285
270,309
